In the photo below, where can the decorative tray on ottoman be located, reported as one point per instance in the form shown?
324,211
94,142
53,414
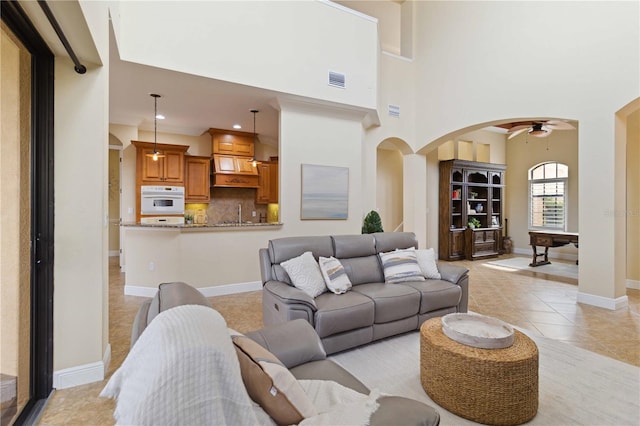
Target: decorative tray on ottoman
478,331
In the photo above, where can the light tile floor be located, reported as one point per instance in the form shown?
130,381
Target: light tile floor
543,304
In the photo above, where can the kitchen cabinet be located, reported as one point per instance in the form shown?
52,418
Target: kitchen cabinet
197,186
231,142
166,170
268,183
470,190
231,164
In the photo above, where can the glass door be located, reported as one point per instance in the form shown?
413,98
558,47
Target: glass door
27,219
15,226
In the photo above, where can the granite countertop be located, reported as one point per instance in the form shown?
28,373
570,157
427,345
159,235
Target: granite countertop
205,226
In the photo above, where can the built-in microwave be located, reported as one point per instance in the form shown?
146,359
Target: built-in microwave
157,200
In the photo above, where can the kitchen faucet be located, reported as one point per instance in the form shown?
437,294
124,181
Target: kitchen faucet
239,214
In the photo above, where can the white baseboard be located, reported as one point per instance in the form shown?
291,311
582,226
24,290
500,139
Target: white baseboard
82,374
603,302
633,284
218,290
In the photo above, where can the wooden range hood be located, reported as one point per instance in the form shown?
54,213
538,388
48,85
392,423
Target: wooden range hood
232,155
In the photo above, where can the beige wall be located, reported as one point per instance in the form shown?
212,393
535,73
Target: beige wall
311,39
471,81
633,199
388,14
81,232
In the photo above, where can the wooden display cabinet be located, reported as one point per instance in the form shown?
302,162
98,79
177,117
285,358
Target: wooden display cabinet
470,189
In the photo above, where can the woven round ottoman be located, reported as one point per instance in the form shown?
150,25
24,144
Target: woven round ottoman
490,386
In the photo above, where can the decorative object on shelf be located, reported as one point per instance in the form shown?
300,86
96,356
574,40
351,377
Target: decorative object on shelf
372,223
253,160
474,223
456,194
494,221
325,192
188,219
156,154
479,208
472,195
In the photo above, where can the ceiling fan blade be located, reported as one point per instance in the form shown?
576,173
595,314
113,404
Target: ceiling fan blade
517,132
519,127
558,125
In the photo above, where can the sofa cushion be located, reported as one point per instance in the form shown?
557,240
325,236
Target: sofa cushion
436,294
334,275
328,370
353,245
282,249
400,265
305,274
362,270
427,262
270,384
387,241
346,312
392,302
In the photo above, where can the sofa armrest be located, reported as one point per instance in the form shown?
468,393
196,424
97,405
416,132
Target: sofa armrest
293,342
452,273
289,294
458,275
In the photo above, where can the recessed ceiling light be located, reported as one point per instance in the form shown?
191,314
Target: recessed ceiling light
160,117
237,126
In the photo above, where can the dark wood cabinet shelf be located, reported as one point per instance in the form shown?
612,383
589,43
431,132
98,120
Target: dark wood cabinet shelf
470,189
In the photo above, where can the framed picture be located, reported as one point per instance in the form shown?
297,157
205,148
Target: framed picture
325,192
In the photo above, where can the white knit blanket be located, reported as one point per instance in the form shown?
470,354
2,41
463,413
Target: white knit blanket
183,370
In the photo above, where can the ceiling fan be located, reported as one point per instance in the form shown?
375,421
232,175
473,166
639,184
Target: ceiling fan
538,129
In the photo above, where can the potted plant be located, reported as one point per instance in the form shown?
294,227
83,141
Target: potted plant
473,223
188,218
372,223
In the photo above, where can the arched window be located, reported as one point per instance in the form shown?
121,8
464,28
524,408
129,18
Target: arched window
548,196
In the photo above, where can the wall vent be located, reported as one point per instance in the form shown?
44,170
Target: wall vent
394,110
337,79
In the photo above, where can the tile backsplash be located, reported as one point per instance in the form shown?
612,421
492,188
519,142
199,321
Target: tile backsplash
224,206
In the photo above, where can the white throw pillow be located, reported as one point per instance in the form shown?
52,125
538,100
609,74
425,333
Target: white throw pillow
427,263
401,265
305,274
334,275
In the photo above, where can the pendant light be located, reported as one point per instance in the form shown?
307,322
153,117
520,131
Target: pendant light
156,154
253,160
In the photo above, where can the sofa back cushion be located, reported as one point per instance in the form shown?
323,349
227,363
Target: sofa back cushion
363,270
357,253
283,249
388,241
353,245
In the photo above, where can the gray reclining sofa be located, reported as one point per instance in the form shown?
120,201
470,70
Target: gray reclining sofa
371,310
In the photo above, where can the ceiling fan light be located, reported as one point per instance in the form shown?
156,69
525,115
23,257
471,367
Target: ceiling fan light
538,133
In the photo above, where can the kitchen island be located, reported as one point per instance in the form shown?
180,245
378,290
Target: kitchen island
217,259
245,226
